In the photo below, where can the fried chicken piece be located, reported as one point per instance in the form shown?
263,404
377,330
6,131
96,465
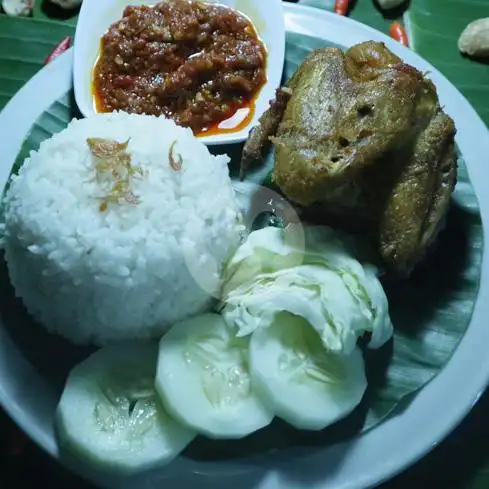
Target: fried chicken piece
345,111
258,139
419,197
364,138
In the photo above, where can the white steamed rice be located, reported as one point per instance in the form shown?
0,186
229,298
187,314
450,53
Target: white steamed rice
132,271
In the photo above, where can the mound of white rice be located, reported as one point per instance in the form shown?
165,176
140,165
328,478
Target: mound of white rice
131,270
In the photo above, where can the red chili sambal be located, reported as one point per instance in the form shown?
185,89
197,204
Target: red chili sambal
198,63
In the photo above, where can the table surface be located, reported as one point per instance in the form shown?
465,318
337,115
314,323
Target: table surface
460,462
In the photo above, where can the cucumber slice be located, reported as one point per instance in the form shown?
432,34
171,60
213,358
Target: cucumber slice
298,379
110,414
203,379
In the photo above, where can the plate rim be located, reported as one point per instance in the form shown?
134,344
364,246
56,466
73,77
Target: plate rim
385,467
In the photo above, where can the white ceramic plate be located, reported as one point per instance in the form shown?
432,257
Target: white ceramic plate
96,16
368,459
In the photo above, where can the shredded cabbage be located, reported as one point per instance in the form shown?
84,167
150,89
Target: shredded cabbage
307,272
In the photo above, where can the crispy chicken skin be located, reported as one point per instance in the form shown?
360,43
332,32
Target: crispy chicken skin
267,125
363,136
419,196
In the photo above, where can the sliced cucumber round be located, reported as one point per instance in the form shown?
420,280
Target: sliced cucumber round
110,414
298,379
203,379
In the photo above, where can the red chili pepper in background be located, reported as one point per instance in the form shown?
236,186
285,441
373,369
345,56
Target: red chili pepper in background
59,49
397,32
341,7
